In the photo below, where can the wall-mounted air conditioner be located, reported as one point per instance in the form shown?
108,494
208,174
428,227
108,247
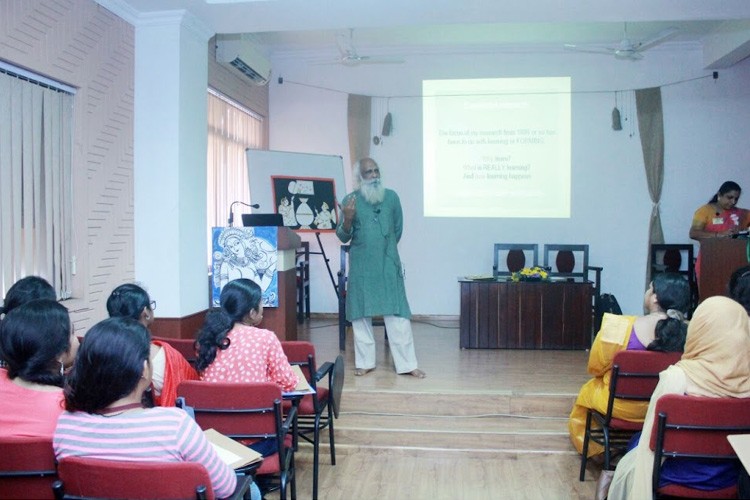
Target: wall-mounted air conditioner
244,59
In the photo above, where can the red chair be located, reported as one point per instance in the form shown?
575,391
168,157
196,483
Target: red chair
696,427
96,478
316,411
27,467
247,412
186,347
634,378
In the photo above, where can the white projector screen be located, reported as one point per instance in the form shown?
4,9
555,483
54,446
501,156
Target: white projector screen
497,147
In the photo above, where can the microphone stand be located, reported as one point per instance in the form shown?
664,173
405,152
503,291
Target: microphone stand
230,221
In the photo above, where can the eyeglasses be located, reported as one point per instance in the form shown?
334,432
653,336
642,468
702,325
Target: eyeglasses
152,305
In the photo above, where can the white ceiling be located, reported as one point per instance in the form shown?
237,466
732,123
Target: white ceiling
307,29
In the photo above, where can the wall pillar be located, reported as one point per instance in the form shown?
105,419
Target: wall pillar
171,74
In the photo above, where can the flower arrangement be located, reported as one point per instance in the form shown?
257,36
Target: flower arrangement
531,274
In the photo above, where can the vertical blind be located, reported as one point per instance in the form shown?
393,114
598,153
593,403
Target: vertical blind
35,182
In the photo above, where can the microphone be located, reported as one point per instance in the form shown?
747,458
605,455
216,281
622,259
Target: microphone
231,213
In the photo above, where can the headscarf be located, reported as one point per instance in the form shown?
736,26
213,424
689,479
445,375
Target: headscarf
717,349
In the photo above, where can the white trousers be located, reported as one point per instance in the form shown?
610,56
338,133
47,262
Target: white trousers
400,342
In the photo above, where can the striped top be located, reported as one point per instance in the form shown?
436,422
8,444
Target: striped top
157,434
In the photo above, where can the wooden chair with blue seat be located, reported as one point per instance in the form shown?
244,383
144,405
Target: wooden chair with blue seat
84,478
27,467
634,377
695,427
512,257
247,412
571,262
317,411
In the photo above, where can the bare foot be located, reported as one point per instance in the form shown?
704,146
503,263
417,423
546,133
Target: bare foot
416,373
358,372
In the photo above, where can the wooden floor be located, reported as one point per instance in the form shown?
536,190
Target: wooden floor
484,424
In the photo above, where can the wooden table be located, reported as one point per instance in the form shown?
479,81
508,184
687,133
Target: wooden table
525,315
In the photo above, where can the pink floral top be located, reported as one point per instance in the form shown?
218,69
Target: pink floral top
253,355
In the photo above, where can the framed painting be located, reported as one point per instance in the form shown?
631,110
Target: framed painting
305,203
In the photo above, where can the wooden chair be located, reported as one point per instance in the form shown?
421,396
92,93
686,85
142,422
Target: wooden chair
27,467
248,411
316,412
634,378
675,258
512,257
96,478
572,262
696,427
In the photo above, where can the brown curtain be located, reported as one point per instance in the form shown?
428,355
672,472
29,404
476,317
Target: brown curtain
358,114
651,128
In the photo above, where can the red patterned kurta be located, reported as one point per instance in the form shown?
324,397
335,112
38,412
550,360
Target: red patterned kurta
253,355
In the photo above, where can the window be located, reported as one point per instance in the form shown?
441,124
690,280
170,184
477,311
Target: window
35,179
232,128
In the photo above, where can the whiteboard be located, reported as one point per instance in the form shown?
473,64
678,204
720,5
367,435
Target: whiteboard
262,165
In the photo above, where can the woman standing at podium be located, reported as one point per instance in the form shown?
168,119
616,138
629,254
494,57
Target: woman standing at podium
720,217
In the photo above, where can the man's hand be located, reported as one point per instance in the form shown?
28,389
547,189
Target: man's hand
350,211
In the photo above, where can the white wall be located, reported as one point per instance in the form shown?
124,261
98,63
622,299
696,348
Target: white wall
705,124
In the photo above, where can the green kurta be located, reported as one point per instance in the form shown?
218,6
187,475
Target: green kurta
375,285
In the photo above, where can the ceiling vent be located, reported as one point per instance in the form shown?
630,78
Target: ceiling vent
244,59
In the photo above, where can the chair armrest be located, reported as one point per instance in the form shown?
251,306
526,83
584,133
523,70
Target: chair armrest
180,403
325,369
289,420
243,487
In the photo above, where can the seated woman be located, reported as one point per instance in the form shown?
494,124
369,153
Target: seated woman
168,365
25,290
715,364
662,329
104,416
37,344
232,349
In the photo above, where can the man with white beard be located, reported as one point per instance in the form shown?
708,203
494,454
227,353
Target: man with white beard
373,222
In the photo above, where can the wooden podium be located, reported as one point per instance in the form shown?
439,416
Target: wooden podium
283,319
720,257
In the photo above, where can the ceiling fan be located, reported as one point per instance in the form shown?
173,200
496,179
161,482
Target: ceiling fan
350,57
628,49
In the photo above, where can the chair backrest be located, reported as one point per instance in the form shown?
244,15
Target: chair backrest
673,258
512,257
240,411
636,373
186,347
27,467
567,261
302,354
95,478
696,427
